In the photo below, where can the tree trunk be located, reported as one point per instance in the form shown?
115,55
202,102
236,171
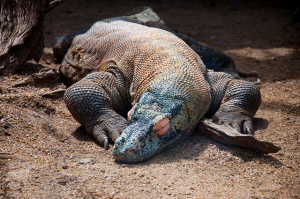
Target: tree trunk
21,33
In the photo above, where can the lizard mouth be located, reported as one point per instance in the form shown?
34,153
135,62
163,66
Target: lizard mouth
127,155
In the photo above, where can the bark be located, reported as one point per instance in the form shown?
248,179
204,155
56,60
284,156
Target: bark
228,135
21,33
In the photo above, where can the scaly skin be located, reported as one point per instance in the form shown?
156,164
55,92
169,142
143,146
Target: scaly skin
212,58
160,77
155,123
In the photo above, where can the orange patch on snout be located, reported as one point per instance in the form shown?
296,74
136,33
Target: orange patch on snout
130,151
162,126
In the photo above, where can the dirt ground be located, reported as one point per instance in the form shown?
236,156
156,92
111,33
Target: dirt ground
44,153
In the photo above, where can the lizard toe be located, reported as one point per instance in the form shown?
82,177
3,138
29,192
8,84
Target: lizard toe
241,123
248,127
100,136
105,132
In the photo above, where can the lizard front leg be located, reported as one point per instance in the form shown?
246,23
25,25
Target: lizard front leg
234,102
239,105
96,103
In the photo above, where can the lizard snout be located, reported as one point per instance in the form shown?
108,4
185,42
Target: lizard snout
124,155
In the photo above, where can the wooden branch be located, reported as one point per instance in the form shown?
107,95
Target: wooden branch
230,136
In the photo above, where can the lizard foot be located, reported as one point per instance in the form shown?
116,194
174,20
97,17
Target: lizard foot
226,134
107,128
236,120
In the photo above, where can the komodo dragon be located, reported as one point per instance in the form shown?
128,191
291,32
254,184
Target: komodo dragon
120,68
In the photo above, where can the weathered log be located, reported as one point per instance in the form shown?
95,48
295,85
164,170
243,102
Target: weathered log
21,32
228,135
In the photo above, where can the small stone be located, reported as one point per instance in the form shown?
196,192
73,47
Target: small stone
7,134
2,192
113,193
6,125
84,161
65,167
196,146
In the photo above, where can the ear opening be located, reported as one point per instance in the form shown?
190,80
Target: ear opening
162,126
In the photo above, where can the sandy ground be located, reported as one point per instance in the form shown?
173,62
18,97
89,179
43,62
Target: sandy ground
44,153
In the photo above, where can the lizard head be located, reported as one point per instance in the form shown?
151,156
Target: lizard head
154,124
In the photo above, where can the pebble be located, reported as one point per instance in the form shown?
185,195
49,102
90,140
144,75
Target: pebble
84,161
65,167
6,126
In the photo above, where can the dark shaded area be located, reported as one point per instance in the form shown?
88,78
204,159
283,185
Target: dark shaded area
260,124
81,134
174,12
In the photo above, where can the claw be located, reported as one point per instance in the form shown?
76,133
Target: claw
248,128
105,143
248,131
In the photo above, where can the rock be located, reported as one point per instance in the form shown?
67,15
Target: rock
84,161
54,94
6,125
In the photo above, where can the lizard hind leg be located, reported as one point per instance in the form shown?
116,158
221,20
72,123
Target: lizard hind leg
96,103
